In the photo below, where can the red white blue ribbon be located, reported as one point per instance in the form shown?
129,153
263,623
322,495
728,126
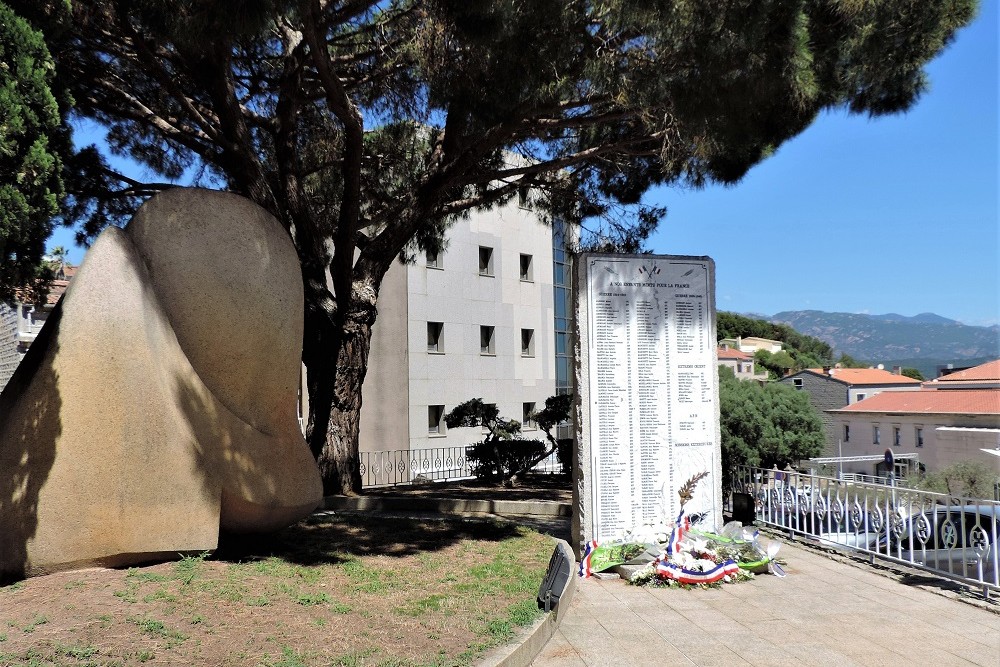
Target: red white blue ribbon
585,561
681,527
685,576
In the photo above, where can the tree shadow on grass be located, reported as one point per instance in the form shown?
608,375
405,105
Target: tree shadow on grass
328,539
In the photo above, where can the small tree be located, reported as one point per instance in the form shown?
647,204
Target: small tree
502,455
913,373
968,479
765,426
777,364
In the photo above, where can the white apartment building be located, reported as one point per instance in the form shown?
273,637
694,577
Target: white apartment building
478,320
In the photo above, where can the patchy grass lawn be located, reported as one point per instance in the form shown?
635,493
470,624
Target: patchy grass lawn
332,591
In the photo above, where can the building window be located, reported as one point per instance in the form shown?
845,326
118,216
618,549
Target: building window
860,397
486,343
527,414
527,342
895,436
525,268
797,382
435,337
876,436
485,261
847,432
434,259
920,436
435,419
522,199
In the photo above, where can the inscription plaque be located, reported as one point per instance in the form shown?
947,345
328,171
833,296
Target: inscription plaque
647,386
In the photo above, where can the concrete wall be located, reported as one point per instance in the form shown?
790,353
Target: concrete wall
824,394
385,407
9,356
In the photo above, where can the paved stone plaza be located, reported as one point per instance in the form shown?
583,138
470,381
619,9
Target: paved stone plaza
827,611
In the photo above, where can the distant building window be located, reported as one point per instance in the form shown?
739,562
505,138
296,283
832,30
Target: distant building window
522,199
525,269
895,436
797,382
435,419
485,261
527,412
527,342
876,435
433,259
486,342
435,337
920,436
847,432
860,397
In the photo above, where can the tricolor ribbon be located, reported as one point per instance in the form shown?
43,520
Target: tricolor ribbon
685,576
681,526
585,561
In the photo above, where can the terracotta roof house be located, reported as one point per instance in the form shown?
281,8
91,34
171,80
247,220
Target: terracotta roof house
941,427
833,388
741,363
984,376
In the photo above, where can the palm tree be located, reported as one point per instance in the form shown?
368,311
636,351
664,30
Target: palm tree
58,254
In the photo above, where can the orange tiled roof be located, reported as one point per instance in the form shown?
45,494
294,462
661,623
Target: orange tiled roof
732,353
866,376
931,401
988,371
56,289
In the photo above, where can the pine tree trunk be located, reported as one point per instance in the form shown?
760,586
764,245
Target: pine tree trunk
336,360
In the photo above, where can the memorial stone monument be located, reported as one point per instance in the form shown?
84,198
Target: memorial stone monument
157,405
647,408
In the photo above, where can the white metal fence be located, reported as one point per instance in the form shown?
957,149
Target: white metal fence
404,466
950,536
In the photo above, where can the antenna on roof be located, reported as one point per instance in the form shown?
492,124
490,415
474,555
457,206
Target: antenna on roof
881,367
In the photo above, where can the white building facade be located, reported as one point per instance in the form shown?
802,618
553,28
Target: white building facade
477,320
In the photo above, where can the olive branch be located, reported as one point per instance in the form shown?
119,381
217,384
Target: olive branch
686,492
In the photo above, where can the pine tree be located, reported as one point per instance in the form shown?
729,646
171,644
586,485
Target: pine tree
366,126
31,134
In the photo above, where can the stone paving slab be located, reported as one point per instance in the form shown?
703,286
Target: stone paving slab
829,610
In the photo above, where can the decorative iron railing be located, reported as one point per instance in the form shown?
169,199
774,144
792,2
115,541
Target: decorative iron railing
953,537
404,466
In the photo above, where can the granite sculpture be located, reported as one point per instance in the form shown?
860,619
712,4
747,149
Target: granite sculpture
158,403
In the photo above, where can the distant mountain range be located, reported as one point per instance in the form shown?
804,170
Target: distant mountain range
924,341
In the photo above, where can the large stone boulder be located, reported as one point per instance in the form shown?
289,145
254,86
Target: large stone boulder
158,403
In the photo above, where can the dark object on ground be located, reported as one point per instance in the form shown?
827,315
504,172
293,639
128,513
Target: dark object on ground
743,509
556,577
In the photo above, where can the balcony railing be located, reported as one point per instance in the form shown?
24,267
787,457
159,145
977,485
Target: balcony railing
953,537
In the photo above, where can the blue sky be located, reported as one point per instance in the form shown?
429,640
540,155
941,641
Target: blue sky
857,215
894,214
